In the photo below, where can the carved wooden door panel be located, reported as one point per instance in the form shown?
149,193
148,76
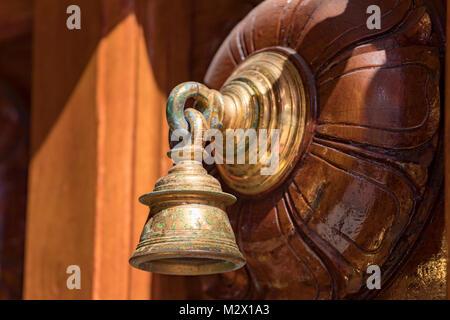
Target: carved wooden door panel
371,173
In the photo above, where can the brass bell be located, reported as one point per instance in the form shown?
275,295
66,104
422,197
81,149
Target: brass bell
188,231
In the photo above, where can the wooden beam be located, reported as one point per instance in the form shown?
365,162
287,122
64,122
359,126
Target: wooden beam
447,145
170,62
99,140
15,19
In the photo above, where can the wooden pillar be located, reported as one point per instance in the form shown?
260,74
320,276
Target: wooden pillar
95,146
447,144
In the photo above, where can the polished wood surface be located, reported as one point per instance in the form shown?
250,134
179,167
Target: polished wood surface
367,184
424,276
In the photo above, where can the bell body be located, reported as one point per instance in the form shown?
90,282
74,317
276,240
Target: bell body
188,231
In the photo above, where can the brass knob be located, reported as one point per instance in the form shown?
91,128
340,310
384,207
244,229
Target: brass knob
188,231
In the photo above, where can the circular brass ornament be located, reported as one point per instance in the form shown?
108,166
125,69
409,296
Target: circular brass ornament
188,231
265,92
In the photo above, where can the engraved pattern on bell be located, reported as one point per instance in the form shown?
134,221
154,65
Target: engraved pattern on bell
188,231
